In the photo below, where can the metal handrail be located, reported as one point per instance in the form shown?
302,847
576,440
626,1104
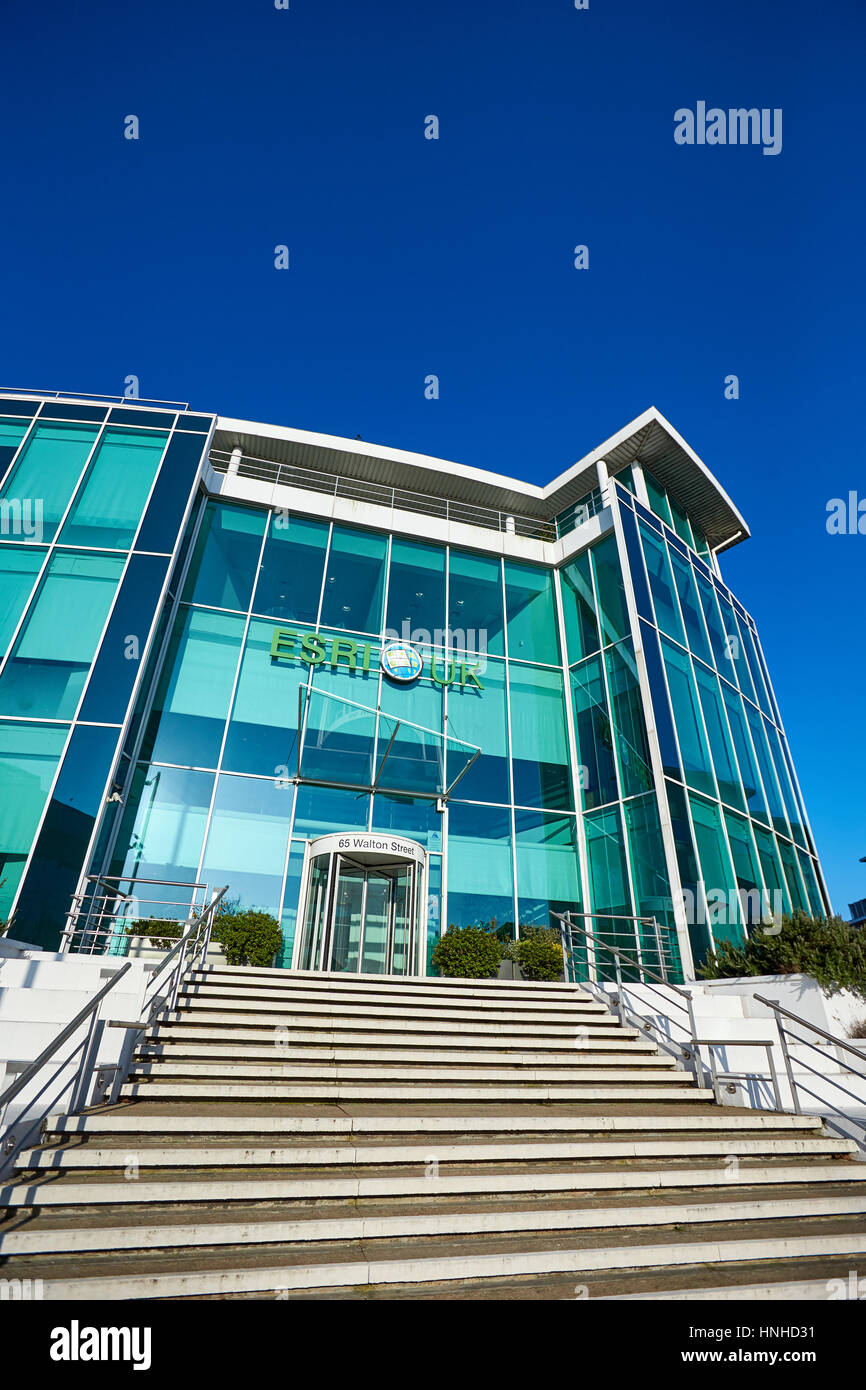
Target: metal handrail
89,396
796,1085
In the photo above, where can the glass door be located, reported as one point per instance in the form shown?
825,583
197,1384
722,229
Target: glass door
360,918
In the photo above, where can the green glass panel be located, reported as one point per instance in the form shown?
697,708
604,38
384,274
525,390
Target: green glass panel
722,646
539,760
532,634
480,881
650,878
291,896
628,721
475,617
578,604
223,566
416,817
661,583
434,907
734,643
721,748
810,878
355,581
594,734
192,701
18,570
716,871
12,432
748,771
416,593
246,842
771,868
161,835
792,877
657,497
262,732
694,753
690,874
681,522
774,739
319,809
49,664
110,501
547,868
47,471
754,666
755,906
610,897
29,754
480,717
690,606
290,575
609,587
771,789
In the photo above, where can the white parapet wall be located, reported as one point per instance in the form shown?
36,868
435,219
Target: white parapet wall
41,992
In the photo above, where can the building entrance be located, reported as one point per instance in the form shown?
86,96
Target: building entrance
362,908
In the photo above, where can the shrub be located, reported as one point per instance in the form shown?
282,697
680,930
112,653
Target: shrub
161,931
248,938
830,950
470,953
539,957
858,1028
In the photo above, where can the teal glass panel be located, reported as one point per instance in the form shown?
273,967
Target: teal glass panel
757,678
480,717
792,877
416,593
810,878
694,753
434,907
626,477
771,868
192,701
768,776
262,732
628,721
19,567
755,803
756,906
246,842
716,871
161,835
650,878
594,734
539,759
690,606
46,473
223,566
49,664
774,739
609,587
722,646
293,563
319,810
657,497
415,817
480,880
475,616
578,606
721,748
548,880
735,644
339,741
532,634
355,581
610,896
690,874
110,501
681,522
291,895
701,545
12,432
661,583
29,754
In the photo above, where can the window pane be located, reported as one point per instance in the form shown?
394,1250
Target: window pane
49,664
226,553
722,648
29,754
480,717
748,771
416,817
539,740
161,834
246,842
792,877
693,747
416,592
290,578
690,604
531,615
594,736
759,738
355,582
657,497
319,809
631,741
732,632
661,584
18,571
608,878
681,523
475,603
47,471
262,734
547,874
774,738
754,907
816,902
480,885
192,701
771,868
578,603
717,732
609,587
716,870
111,499
650,878
690,874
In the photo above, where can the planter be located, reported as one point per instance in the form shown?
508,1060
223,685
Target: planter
142,948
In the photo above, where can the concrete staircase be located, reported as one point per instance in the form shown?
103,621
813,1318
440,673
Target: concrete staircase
309,1136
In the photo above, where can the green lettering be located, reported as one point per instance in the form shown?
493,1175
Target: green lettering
283,643
439,679
343,646
366,649
313,649
467,673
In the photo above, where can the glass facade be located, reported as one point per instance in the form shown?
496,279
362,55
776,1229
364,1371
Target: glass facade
595,736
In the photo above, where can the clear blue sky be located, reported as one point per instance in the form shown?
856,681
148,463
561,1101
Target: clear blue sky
261,127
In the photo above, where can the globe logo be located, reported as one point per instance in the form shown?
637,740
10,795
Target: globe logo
400,661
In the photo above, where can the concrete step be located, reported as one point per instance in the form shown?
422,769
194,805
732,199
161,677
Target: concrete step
194,1185
320,1060
352,1092
243,1040
52,1232
292,1268
661,1071
530,1148
394,986
251,1020
394,1000
209,999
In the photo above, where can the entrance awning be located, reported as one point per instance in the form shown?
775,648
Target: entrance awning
344,744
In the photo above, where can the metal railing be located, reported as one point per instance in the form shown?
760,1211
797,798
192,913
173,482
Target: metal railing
378,494
788,1036
160,998
94,396
102,917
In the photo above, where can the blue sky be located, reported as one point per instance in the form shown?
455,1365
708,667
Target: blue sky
408,256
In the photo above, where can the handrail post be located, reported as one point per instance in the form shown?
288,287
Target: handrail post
89,1053
658,940
620,1002
777,1094
789,1066
693,1029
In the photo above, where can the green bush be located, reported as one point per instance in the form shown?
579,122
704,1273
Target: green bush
830,950
470,953
161,931
539,957
248,938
